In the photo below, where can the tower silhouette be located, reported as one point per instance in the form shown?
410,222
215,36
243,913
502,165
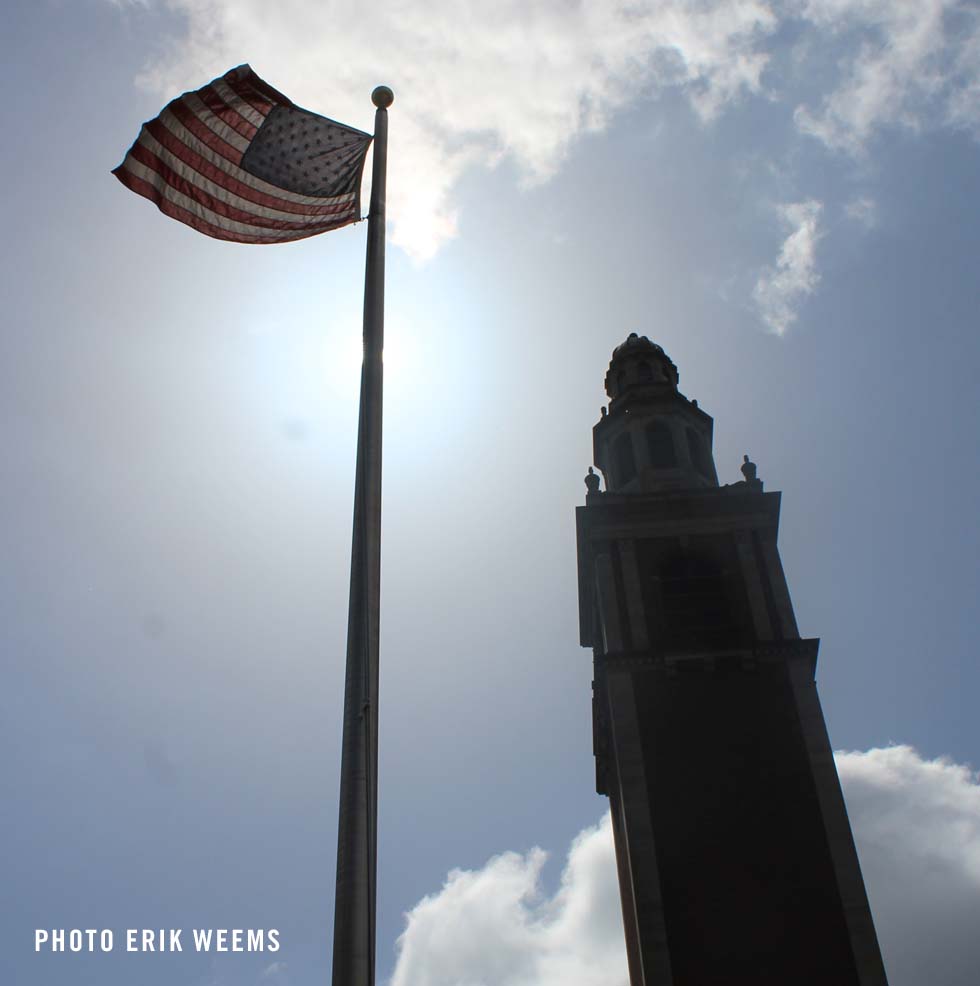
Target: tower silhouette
735,857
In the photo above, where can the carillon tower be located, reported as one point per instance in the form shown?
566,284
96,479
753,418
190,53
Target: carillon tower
735,856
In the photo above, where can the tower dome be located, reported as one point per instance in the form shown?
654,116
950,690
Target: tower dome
639,365
653,438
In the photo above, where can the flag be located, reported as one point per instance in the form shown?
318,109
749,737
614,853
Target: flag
239,161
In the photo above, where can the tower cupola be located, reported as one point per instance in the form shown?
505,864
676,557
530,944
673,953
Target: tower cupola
639,367
651,438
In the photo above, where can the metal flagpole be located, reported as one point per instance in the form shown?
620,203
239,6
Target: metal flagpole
357,830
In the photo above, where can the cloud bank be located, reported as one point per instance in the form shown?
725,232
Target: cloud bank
917,827
476,83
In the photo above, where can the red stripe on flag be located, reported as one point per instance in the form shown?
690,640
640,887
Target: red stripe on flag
203,132
168,208
148,191
249,94
206,169
224,209
227,114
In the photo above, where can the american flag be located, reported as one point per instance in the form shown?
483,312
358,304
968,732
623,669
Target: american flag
239,161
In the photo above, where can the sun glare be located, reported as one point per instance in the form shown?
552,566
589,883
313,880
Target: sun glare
342,363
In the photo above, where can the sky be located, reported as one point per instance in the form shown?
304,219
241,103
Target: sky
783,195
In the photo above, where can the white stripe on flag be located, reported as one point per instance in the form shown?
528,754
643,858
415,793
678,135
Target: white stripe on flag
219,192
218,127
238,104
171,194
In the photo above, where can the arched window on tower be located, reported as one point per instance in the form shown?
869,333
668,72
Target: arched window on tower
699,454
625,463
620,382
660,444
644,373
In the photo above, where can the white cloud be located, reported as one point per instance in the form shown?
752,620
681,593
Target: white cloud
917,827
493,926
963,105
779,290
903,62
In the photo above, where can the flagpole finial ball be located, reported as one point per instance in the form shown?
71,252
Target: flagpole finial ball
382,97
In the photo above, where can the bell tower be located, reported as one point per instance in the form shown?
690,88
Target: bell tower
735,857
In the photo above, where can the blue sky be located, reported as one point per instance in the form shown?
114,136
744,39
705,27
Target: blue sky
783,195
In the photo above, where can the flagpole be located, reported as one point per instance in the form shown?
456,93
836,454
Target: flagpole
355,904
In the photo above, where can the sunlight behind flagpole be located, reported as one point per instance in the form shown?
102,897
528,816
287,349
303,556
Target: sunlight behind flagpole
340,362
